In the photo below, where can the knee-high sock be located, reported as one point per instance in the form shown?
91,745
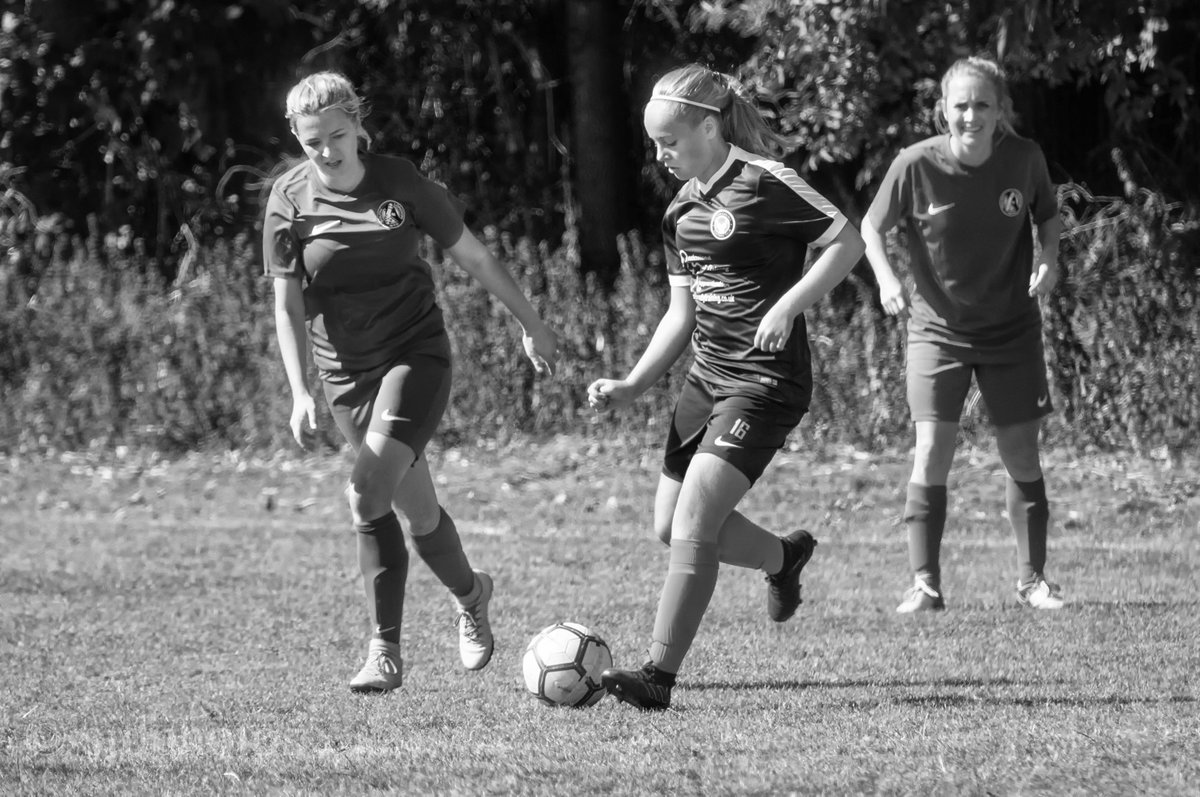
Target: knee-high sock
442,550
383,560
925,515
1029,514
691,579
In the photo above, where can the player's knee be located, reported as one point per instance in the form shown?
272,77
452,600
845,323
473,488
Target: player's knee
367,501
421,520
932,457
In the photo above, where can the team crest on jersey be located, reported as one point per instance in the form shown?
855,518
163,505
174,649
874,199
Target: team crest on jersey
390,213
722,225
1011,202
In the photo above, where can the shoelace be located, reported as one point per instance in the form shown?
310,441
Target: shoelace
920,586
382,662
468,624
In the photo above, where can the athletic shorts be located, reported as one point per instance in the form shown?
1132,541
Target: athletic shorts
743,428
939,378
404,401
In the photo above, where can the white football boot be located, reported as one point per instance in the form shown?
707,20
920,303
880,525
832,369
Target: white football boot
383,672
475,642
1040,594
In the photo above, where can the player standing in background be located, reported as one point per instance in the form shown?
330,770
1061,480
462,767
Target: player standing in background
966,197
736,238
340,241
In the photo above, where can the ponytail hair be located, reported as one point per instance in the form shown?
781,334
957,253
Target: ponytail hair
698,91
985,69
323,91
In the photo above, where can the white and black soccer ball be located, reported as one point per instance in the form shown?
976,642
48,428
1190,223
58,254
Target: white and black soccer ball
562,665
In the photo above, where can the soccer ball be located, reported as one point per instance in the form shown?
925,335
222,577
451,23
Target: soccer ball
562,665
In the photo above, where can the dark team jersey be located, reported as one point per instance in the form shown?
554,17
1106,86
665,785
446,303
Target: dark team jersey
368,296
740,242
970,242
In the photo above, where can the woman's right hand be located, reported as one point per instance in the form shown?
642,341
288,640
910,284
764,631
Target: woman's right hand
304,420
892,295
610,394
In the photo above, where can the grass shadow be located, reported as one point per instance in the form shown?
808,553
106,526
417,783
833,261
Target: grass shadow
779,685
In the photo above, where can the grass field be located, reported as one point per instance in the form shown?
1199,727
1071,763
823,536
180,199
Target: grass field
189,627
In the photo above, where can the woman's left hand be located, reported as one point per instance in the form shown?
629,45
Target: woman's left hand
1043,279
774,331
541,347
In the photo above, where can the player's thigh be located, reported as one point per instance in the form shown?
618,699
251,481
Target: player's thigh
937,382
747,429
689,421
709,493
404,401
411,400
1015,392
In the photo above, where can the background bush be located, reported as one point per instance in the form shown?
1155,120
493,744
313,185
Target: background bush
98,351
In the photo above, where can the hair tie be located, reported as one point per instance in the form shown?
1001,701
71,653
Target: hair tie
686,101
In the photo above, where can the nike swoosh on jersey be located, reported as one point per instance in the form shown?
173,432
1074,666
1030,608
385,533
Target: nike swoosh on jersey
388,416
325,226
723,443
936,209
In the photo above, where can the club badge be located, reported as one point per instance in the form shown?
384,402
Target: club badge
390,213
722,225
1011,202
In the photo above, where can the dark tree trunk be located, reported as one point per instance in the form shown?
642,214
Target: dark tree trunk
598,132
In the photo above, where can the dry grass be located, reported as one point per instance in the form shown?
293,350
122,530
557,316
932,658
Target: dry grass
188,627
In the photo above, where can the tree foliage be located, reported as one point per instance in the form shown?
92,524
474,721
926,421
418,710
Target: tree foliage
159,119
853,81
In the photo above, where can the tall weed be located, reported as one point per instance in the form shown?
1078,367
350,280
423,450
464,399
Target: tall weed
96,350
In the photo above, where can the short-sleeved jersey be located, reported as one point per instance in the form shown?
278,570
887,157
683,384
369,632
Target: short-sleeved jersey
969,240
740,241
368,295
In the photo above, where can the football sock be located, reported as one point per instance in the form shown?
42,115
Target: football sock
442,550
743,543
691,579
1029,514
925,515
383,560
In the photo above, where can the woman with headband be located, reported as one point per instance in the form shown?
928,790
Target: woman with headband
737,236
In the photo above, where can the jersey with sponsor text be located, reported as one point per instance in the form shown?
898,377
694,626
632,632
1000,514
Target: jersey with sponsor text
368,295
740,241
970,242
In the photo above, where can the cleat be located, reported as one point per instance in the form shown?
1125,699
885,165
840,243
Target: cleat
921,597
641,689
383,671
1040,594
475,642
783,588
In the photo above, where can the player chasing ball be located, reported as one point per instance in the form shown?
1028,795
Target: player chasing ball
736,237
340,242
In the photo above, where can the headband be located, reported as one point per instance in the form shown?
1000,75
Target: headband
686,101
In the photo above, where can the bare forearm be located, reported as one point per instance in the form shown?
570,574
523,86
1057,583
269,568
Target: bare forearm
876,251
830,268
1048,235
669,341
293,343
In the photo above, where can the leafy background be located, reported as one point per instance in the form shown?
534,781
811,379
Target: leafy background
139,135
